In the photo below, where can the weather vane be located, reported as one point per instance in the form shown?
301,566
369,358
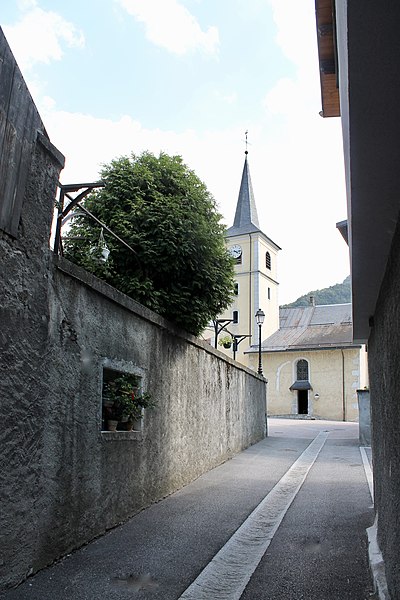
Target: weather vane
245,133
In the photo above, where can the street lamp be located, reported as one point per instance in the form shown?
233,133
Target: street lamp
260,316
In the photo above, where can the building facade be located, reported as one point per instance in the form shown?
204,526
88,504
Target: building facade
315,340
312,366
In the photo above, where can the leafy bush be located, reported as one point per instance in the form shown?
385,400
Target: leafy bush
180,266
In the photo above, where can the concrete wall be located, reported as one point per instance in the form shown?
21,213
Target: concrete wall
384,360
62,480
334,377
364,411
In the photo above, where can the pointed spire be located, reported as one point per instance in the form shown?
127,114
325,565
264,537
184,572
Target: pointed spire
246,211
246,217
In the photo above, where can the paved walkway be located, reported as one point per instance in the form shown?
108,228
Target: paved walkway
285,519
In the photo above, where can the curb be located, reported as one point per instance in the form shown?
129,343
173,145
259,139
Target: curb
377,564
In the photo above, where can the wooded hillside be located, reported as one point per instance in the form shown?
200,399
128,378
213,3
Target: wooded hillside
340,293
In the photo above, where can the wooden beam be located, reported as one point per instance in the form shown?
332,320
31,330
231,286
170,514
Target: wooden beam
324,10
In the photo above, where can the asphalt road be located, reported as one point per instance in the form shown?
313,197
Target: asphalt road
282,520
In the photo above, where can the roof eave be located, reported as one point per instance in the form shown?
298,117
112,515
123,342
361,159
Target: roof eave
328,70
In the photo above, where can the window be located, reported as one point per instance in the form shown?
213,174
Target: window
123,401
235,316
236,289
302,370
268,260
269,293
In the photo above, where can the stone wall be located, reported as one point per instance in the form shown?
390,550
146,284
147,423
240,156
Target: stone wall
63,481
384,360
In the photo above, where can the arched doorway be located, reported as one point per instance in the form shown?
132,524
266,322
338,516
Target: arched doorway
301,386
302,394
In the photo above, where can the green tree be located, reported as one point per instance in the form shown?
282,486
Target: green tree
180,267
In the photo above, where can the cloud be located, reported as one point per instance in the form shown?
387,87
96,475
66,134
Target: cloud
49,30
295,21
307,180
170,25
298,199
101,140
294,154
296,37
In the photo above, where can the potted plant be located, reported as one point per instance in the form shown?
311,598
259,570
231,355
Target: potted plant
122,402
132,408
225,341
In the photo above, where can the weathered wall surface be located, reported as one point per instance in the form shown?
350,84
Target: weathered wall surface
25,379
62,480
333,374
384,360
364,411
65,481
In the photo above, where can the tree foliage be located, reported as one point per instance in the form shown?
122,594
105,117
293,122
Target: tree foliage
180,266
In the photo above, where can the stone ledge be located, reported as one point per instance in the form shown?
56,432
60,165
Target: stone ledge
50,148
121,436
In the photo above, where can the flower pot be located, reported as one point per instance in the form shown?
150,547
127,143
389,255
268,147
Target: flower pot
227,345
112,425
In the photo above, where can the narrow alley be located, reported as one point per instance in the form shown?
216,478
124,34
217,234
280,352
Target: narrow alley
285,519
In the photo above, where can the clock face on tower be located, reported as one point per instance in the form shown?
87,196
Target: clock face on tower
235,251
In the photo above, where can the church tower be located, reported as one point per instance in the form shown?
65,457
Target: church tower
256,284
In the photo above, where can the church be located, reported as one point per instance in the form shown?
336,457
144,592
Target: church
312,366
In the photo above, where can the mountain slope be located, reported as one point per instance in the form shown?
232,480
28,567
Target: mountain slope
340,293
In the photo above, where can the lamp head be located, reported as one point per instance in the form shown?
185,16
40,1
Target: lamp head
260,316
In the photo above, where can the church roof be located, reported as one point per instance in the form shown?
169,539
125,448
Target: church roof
312,328
246,217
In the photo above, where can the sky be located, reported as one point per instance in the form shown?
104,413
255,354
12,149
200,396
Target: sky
190,77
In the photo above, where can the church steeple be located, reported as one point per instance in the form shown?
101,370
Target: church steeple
255,256
246,218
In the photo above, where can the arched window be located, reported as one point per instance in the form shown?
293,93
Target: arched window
268,260
302,370
235,316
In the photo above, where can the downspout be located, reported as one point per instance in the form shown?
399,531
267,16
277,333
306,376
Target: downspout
250,285
343,389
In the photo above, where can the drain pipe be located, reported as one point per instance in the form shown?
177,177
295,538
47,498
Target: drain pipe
343,389
251,325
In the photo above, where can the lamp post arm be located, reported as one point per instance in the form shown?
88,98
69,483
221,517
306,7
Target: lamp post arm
62,212
237,338
219,325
